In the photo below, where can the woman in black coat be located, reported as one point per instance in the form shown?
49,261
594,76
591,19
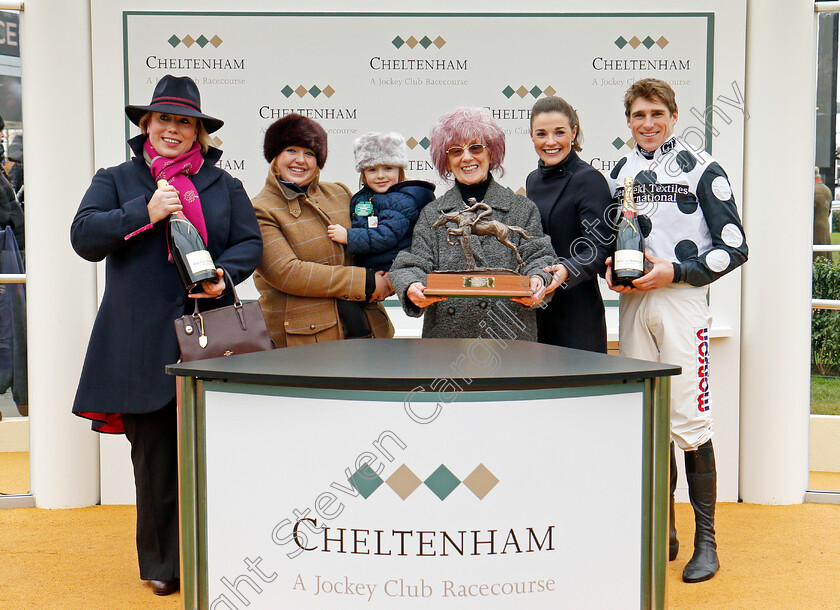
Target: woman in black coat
574,200
122,219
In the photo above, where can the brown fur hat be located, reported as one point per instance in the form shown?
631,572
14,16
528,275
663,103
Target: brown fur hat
295,130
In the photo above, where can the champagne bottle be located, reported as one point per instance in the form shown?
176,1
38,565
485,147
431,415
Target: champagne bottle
629,257
188,250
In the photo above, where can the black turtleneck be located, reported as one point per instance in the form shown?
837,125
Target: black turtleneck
476,191
292,186
543,190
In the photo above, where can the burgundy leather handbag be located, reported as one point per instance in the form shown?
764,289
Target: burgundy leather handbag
236,329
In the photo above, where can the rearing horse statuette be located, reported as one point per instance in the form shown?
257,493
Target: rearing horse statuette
470,221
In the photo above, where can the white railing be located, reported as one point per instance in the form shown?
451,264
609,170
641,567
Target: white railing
825,304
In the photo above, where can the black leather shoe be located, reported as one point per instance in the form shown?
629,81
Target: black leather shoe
165,587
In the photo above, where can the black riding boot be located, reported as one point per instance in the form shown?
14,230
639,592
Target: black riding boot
673,543
702,491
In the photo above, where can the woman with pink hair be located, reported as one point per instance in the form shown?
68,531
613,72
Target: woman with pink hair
468,147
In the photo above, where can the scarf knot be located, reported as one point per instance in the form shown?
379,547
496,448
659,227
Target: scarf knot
177,172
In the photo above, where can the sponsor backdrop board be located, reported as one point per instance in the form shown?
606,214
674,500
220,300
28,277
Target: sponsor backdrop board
399,72
485,506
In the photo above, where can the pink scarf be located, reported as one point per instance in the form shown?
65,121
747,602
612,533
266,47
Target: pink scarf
178,171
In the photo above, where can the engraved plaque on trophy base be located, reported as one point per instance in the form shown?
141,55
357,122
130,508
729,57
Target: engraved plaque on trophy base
487,283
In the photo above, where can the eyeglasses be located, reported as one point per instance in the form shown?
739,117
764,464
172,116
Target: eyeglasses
458,151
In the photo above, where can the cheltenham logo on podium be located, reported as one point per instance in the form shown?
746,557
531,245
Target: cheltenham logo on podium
441,482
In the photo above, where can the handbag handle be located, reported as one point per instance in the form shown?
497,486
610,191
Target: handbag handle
229,282
237,303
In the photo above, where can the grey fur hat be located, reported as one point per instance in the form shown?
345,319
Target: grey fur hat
374,149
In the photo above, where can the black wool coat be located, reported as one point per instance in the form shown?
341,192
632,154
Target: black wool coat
574,203
133,338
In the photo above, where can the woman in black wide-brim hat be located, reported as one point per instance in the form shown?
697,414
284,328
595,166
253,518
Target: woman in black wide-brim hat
122,219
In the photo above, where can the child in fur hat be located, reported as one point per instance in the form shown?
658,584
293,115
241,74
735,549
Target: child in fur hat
384,211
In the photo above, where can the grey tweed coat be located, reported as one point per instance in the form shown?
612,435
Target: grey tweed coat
429,251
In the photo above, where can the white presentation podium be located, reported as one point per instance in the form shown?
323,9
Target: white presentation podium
423,473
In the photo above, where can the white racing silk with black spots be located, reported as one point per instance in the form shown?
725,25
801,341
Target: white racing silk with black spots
686,210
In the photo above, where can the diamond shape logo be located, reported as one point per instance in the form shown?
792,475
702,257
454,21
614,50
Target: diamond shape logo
411,143
301,91
549,91
314,91
535,91
426,42
439,42
404,482
620,42
412,42
648,42
634,42
630,143
424,143
662,42
216,41
618,143
398,42
522,91
188,41
287,91
481,481
522,192
442,482
202,41
174,41
328,91
366,481
216,141
508,91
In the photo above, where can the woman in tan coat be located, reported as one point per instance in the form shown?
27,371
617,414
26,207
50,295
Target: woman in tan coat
309,288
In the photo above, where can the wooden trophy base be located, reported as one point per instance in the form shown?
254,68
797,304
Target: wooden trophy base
487,283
